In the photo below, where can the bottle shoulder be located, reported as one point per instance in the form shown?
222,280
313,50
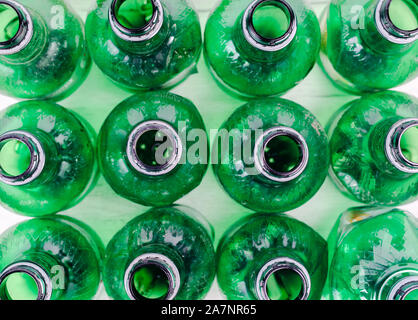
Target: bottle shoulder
373,242
69,158
260,238
73,247
242,72
162,62
245,182
355,57
57,236
353,159
55,61
264,231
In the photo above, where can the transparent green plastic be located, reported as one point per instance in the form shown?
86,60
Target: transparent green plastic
262,47
254,241
47,158
373,255
368,163
291,175
145,44
157,184
178,234
67,253
43,54
370,45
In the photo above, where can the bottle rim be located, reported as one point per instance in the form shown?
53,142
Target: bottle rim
23,35
169,132
258,41
165,264
282,263
388,29
147,32
36,272
37,159
393,148
397,282
262,164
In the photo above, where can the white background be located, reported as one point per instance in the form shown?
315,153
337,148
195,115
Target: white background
107,213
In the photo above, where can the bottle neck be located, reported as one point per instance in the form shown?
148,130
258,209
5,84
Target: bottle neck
23,32
282,278
24,157
155,274
32,278
394,146
391,25
138,28
400,284
266,30
281,154
154,148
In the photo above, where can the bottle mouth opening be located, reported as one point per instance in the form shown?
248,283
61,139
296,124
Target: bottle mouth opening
397,20
269,25
154,148
411,293
281,154
404,289
24,281
16,27
136,20
402,145
283,279
22,158
152,277
10,23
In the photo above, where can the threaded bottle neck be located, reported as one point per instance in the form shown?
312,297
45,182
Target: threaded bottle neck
155,274
31,277
154,148
391,25
138,25
394,145
282,278
22,158
398,283
281,154
16,27
266,29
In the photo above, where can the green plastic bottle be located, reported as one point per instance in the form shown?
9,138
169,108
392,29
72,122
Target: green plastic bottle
374,149
373,255
47,158
43,54
257,48
56,258
271,155
271,257
370,45
153,148
145,44
165,253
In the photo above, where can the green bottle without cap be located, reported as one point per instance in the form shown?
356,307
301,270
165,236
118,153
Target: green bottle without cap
257,48
54,258
165,253
43,54
145,44
374,149
373,255
271,155
271,257
147,148
47,158
370,45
